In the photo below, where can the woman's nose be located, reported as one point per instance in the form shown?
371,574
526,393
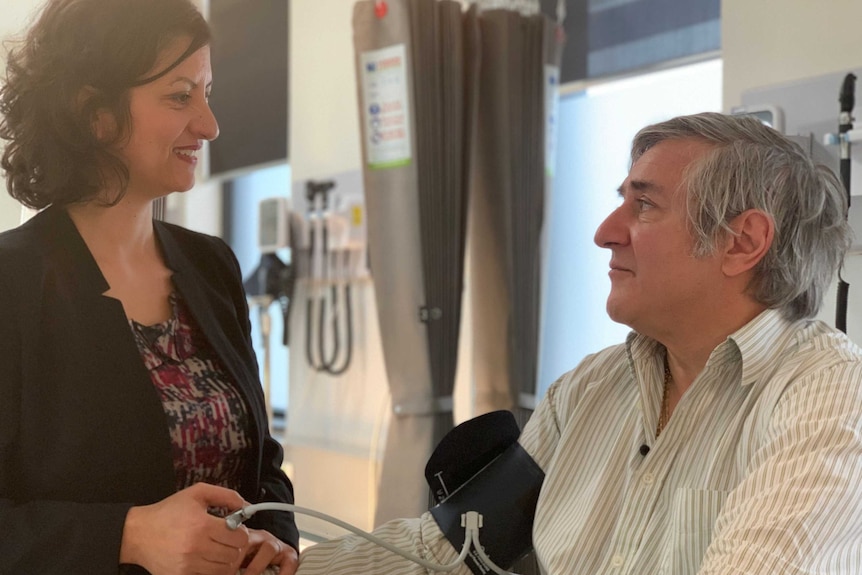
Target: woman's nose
205,124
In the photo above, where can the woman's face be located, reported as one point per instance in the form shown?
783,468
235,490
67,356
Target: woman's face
170,119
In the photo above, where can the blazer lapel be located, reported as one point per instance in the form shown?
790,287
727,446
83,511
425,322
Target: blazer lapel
64,240
206,306
126,390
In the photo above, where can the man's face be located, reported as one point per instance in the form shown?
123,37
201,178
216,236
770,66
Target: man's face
656,282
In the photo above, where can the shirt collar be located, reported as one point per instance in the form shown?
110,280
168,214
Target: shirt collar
755,344
760,341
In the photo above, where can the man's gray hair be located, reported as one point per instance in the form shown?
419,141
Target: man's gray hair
753,166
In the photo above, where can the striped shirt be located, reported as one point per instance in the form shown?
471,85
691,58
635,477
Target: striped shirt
759,470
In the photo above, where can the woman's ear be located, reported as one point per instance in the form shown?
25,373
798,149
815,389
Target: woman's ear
103,125
753,232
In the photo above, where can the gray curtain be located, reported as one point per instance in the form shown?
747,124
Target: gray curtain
416,203
512,175
475,118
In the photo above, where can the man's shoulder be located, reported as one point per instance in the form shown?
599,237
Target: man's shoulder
611,364
816,340
821,347
819,361
600,362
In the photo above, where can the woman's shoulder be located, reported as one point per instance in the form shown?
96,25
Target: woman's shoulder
24,252
25,241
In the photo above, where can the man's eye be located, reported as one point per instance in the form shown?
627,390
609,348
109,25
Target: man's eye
643,205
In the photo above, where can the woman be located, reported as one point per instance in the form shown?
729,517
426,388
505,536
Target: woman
132,414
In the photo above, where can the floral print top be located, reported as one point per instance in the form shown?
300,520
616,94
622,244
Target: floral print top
206,414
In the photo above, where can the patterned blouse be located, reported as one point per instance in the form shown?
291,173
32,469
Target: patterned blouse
207,417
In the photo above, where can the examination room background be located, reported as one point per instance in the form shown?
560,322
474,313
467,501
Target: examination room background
760,46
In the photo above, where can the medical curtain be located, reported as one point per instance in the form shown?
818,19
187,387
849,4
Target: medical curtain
422,68
511,179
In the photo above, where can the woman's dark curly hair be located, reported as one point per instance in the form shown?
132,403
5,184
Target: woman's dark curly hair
80,58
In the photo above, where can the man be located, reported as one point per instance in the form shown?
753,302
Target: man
725,435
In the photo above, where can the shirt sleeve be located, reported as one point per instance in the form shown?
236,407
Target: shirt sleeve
352,554
797,509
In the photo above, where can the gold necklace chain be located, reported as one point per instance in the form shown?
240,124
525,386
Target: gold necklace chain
664,414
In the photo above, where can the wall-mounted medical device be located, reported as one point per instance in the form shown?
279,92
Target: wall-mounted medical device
812,109
315,238
328,303
808,107
769,114
274,278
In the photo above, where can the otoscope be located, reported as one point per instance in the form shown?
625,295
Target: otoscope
845,124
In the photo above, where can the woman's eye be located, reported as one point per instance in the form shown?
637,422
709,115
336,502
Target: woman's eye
182,98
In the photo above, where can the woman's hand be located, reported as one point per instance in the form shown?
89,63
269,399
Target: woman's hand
265,549
177,535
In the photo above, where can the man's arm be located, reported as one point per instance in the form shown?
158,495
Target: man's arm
422,536
797,510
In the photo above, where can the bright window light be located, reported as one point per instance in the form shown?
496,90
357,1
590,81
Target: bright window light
596,128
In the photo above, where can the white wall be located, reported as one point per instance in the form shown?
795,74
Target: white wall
765,42
14,17
329,418
324,120
768,42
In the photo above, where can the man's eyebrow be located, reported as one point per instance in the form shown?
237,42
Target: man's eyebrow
640,186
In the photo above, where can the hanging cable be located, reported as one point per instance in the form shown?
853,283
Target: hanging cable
331,367
324,270
845,124
323,191
311,197
471,521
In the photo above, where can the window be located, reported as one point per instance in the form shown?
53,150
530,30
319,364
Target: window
245,192
596,127
611,37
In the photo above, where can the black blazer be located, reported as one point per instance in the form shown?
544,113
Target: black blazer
83,436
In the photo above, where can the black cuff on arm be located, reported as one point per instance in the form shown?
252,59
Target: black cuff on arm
505,494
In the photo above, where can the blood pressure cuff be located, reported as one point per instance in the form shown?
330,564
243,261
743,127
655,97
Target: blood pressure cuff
504,490
467,449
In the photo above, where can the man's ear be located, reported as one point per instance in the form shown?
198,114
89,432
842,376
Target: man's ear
754,231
